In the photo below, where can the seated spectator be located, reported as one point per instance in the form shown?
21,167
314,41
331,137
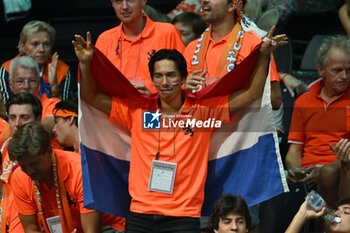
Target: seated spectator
66,124
24,76
306,213
190,25
319,116
37,40
230,214
48,184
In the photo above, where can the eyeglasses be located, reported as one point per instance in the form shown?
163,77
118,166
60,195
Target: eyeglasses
29,82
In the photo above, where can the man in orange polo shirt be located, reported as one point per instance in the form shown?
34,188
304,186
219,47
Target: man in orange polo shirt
321,116
225,44
130,45
160,199
48,184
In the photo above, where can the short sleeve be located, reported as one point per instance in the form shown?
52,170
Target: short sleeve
297,126
120,112
22,187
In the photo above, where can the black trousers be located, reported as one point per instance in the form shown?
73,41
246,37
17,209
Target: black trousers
152,223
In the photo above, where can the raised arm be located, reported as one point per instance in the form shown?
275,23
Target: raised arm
344,17
305,213
245,97
88,89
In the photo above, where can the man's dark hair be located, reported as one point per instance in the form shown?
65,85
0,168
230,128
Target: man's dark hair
26,98
192,19
229,204
343,202
30,140
70,105
173,55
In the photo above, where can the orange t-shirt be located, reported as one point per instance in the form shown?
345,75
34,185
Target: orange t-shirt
315,124
131,57
48,105
13,223
5,131
215,49
69,166
176,144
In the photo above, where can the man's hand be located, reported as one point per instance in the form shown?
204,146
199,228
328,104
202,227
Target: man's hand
272,42
52,72
296,174
304,213
83,49
312,178
342,150
293,83
309,213
143,90
194,81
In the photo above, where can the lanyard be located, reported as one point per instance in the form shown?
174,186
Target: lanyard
62,202
158,152
119,53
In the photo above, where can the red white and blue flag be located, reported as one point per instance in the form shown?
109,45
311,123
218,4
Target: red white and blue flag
243,156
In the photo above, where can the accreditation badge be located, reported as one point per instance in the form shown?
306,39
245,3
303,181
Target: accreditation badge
162,177
54,224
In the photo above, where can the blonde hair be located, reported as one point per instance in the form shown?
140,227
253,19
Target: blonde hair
34,27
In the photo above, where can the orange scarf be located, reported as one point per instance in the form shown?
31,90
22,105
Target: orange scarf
229,56
61,198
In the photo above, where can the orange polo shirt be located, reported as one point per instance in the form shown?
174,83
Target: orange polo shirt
215,50
176,145
69,166
316,123
131,57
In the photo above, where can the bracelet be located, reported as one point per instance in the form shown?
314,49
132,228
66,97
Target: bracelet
283,76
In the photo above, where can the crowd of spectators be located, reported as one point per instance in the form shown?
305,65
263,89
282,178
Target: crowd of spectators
170,55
